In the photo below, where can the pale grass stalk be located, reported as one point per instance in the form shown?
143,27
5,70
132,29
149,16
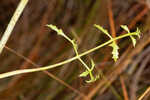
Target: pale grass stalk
12,23
143,95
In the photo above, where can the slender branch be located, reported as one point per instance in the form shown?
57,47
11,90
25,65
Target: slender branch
125,94
142,96
111,19
12,23
21,71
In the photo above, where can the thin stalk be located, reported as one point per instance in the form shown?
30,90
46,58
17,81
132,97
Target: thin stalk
77,54
144,94
12,23
21,71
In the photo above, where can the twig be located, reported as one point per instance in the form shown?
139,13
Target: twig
124,88
142,96
12,23
111,19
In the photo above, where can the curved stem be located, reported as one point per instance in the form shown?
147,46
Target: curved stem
21,71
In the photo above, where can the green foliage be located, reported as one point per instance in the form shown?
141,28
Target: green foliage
84,74
103,30
114,45
132,37
138,32
59,31
89,70
115,52
125,28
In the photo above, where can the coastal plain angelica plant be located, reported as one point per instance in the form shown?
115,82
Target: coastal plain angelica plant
114,45
88,69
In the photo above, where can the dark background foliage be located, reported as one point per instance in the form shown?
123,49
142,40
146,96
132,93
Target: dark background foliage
32,45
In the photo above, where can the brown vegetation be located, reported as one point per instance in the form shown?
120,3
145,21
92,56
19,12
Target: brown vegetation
32,45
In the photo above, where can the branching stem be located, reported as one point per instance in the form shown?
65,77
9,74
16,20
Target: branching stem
21,71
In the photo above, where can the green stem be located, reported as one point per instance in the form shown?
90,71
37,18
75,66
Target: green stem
21,71
77,54
85,65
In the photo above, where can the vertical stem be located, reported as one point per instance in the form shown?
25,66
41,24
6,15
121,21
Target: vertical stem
12,23
111,19
125,94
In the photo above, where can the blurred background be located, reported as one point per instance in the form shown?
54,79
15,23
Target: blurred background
33,45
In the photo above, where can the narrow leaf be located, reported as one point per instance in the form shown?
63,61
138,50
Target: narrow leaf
90,81
133,40
115,52
138,32
93,79
125,27
84,74
53,27
103,30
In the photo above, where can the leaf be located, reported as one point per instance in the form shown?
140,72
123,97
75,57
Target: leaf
125,27
138,32
93,79
84,74
115,52
133,40
103,30
90,81
53,27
